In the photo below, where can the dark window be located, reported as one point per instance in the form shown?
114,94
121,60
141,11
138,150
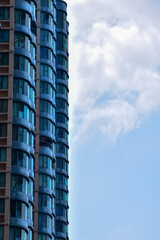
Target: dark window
3,82
3,129
3,105
4,59
22,18
60,227
44,220
2,179
17,233
61,118
1,232
61,211
4,35
19,158
62,75
47,125
18,209
2,154
61,20
62,42
61,104
45,162
61,133
61,163
2,204
44,200
45,237
46,88
4,13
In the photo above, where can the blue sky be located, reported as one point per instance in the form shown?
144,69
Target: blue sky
114,119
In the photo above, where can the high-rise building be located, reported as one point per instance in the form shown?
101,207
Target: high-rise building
33,120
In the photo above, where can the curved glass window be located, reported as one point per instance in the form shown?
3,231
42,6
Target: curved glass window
61,104
30,211
46,124
44,200
3,105
46,19
61,133
61,179
45,237
47,3
30,187
45,162
47,71
60,60
46,142
61,118
18,209
19,158
32,72
44,220
46,53
31,139
46,36
47,107
21,40
32,94
61,148
19,184
22,18
61,211
60,88
60,227
17,233
61,195
20,86
31,163
22,63
30,234
20,134
62,42
20,110
33,51
61,20
33,7
61,163
45,181
31,116
62,75
46,88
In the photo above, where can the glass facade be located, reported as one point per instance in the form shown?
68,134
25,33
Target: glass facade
34,120
62,123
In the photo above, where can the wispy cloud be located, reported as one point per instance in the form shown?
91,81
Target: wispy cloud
115,77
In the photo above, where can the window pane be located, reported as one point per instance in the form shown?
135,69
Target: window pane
4,59
4,13
4,36
2,154
2,179
3,82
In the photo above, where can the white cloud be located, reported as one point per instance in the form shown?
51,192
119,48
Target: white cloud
114,78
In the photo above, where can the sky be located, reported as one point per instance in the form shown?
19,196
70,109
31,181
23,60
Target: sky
114,119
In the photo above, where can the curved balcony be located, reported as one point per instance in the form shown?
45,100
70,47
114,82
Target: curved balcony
20,196
18,222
